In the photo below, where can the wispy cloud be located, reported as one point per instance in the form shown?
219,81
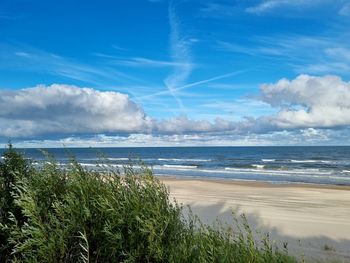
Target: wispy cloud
264,7
345,9
146,62
22,54
304,54
241,107
25,58
218,10
270,5
181,55
288,46
119,48
193,84
139,61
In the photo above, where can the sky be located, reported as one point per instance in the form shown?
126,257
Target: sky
174,72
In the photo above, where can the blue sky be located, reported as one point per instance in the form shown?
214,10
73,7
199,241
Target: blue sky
190,72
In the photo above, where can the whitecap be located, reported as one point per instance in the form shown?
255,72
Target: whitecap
258,166
180,166
184,160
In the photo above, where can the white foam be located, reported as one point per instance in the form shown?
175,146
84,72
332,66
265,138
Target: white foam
303,161
184,160
327,161
258,166
268,160
180,166
278,172
119,159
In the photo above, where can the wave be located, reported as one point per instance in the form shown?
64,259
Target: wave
258,169
311,161
102,166
184,160
293,176
304,161
270,171
88,164
268,160
258,166
119,159
180,166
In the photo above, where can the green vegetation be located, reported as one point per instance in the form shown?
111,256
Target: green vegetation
50,214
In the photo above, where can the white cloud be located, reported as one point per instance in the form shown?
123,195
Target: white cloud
309,102
67,109
295,137
269,5
64,109
306,107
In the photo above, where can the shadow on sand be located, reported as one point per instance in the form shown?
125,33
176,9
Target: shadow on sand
316,248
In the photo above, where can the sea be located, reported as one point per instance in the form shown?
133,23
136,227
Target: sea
278,165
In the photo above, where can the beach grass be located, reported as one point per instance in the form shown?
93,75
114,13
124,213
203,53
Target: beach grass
54,214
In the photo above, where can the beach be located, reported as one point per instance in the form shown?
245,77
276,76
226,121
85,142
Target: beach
299,195
313,219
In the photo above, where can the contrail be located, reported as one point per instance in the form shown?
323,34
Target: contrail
233,73
181,55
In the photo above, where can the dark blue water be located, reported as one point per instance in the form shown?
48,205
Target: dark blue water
320,165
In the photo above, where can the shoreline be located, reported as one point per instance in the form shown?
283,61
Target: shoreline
254,183
312,219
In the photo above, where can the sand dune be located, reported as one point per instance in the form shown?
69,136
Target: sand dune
318,216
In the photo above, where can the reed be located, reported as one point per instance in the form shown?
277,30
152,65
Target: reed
50,214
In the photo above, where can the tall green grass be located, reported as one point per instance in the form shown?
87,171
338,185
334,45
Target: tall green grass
50,214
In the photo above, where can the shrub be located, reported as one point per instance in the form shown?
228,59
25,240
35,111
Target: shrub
76,215
13,168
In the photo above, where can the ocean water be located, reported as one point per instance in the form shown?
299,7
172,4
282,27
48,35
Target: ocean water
281,165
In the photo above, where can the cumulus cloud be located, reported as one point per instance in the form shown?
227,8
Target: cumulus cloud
64,109
306,107
309,102
67,109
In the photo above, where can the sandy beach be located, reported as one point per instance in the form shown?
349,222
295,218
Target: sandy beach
313,219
